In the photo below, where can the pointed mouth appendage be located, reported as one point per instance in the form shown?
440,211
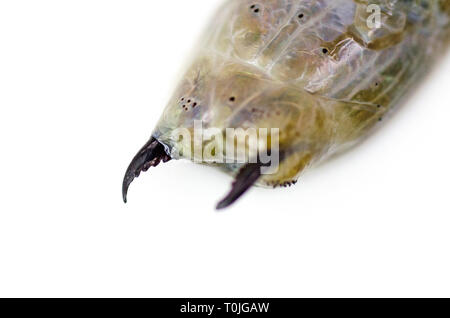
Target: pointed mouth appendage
150,155
245,179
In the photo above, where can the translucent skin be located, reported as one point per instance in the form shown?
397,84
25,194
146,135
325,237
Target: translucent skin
312,68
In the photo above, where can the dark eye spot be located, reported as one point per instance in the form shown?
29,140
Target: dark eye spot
194,105
378,106
301,16
255,8
325,51
232,99
182,99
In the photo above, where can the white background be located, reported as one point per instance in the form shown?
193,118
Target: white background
82,84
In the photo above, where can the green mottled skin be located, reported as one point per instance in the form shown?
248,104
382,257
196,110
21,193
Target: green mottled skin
312,68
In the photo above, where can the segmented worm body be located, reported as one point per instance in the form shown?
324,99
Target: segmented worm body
323,72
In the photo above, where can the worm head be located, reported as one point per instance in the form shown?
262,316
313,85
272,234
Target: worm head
231,115
213,96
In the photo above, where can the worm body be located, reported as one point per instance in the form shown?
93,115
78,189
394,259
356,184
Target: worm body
323,73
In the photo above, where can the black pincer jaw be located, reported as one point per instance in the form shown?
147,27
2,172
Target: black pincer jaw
150,155
245,179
